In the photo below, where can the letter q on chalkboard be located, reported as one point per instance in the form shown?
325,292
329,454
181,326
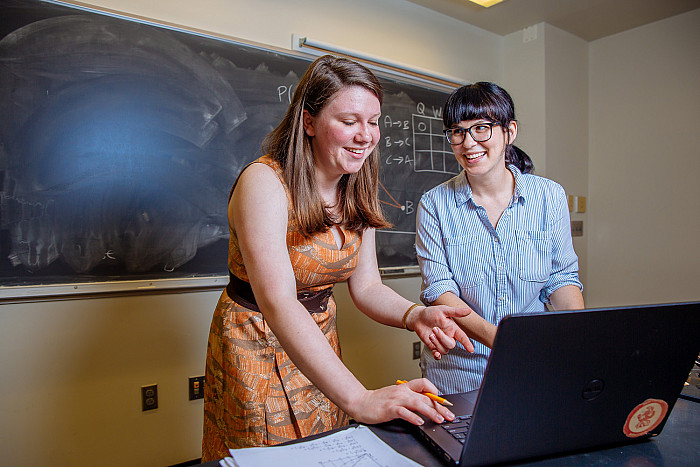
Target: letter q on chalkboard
120,140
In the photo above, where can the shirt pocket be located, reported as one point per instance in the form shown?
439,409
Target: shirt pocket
534,254
464,260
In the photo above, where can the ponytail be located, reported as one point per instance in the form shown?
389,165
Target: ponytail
518,157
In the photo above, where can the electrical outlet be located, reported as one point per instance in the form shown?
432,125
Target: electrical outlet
416,350
149,397
196,387
577,228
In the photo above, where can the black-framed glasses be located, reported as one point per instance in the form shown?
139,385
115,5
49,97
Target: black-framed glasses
479,132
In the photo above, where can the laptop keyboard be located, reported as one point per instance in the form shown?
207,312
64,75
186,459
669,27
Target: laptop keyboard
458,427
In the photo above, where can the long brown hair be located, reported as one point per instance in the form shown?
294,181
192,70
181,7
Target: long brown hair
291,147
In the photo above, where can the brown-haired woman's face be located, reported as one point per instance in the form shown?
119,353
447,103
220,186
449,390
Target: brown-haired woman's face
345,131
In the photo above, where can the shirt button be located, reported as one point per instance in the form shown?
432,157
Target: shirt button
495,239
500,268
501,298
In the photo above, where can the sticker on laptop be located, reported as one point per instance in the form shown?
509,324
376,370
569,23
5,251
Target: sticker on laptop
645,417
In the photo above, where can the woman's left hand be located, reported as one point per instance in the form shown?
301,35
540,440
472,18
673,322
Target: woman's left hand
437,329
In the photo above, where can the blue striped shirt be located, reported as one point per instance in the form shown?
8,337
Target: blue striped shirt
513,268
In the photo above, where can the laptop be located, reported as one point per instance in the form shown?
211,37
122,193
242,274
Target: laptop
558,382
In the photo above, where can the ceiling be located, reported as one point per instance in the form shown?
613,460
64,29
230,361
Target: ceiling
588,19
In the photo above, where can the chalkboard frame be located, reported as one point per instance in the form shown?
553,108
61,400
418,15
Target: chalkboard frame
150,285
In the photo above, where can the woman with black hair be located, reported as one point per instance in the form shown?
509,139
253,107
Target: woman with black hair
495,237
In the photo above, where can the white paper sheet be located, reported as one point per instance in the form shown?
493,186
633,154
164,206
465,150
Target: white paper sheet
357,447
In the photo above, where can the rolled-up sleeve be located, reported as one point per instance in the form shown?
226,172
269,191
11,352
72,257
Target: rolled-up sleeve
564,260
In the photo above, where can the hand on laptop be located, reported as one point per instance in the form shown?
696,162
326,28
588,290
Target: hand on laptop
403,401
436,328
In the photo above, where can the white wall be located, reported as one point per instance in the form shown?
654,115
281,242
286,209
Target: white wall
546,74
72,370
524,79
644,164
566,117
394,29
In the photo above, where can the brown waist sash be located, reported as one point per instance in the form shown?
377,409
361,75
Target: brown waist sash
240,292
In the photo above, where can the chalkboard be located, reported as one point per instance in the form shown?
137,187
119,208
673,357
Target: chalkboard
120,139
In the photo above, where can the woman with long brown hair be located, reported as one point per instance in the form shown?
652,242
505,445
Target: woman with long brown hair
302,218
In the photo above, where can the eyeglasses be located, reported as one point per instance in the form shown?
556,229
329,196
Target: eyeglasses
479,132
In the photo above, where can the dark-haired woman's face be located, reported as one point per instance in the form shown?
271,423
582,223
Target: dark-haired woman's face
483,158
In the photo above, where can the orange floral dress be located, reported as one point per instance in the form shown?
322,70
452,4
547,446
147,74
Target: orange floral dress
254,395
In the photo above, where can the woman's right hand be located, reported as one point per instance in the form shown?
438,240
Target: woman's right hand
403,401
436,327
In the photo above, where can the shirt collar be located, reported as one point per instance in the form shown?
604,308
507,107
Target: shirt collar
519,190
463,191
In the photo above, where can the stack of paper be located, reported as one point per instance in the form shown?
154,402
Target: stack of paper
357,447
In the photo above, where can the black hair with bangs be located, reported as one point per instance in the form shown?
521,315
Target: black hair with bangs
489,101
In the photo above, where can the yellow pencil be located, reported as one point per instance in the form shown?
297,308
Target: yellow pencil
430,395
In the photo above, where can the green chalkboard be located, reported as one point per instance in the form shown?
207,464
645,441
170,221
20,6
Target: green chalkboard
120,139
